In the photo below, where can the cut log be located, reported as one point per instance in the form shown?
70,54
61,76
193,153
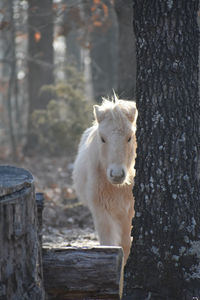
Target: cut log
83,273
20,252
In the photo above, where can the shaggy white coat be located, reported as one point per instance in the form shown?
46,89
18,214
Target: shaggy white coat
104,171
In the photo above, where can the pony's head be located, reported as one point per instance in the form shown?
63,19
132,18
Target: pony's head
116,121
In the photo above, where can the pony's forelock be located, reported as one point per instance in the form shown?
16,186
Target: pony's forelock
113,108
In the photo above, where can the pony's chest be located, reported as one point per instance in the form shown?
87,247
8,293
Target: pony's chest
115,198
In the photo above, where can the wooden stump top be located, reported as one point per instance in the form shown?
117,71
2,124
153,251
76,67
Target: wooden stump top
13,179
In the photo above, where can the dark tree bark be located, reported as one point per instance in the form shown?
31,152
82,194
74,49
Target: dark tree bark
165,256
20,251
40,56
127,54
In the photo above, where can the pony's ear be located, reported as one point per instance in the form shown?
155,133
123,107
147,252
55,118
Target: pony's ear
99,113
130,111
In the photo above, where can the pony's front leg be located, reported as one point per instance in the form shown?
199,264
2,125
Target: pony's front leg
126,225
107,227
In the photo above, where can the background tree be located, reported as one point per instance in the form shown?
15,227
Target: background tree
72,24
8,53
165,256
40,56
126,49
103,48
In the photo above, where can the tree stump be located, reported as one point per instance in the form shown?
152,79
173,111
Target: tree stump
20,252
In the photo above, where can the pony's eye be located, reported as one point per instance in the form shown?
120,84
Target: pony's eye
102,139
129,139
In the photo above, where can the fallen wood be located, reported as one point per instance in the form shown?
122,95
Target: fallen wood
83,273
20,251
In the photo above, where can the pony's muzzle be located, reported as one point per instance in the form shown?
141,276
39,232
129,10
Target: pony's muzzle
117,175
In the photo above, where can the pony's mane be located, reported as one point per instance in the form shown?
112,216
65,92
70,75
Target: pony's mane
110,103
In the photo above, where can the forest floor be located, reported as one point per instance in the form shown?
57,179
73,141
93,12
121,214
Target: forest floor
66,222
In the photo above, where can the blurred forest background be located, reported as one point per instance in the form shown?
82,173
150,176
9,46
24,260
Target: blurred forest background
58,58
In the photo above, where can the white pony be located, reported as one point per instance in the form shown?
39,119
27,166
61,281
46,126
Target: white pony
104,171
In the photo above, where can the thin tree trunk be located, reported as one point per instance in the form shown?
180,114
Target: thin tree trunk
40,57
12,77
104,53
10,115
72,23
127,54
15,90
165,256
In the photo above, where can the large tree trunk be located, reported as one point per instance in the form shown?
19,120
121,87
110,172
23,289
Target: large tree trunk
165,256
127,54
40,56
20,251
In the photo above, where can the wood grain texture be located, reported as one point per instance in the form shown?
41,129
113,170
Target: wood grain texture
83,273
20,252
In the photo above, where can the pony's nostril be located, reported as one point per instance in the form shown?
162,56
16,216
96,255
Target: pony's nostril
117,174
